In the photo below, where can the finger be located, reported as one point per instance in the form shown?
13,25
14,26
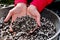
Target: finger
36,15
38,19
28,13
8,16
14,17
11,30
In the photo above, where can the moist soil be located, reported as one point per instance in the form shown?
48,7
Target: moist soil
22,26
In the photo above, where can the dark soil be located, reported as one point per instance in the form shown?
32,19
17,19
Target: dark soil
23,25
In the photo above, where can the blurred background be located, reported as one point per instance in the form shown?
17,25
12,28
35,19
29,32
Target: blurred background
6,1
55,6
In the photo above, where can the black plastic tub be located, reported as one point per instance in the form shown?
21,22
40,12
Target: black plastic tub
46,13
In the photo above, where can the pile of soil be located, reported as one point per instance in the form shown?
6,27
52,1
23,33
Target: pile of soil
23,25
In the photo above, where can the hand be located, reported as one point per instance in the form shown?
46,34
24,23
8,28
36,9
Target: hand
33,12
18,11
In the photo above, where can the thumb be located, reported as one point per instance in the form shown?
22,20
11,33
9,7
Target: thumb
8,16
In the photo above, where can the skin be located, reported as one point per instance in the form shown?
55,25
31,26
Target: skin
33,12
20,10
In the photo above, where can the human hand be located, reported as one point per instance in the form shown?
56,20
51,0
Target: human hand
18,11
33,12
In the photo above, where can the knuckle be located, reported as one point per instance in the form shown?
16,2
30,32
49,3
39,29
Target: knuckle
30,9
10,11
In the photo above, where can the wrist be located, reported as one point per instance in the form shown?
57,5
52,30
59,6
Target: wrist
20,4
33,7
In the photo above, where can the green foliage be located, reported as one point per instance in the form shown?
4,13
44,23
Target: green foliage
7,1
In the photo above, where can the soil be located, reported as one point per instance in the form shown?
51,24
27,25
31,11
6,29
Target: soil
23,25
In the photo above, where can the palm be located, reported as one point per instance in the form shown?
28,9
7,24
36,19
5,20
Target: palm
18,11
